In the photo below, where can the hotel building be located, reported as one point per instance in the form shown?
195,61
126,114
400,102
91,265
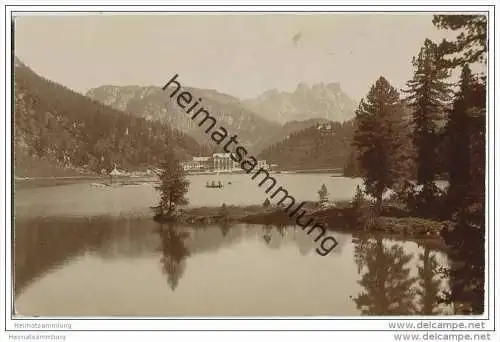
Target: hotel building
218,162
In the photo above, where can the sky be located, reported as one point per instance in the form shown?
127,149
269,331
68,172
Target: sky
238,54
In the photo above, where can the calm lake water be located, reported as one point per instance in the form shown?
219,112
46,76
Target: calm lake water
87,250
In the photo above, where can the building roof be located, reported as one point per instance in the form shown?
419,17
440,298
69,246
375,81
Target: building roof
200,159
222,155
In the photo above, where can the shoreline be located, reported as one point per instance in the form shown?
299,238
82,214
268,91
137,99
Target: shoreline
90,176
335,219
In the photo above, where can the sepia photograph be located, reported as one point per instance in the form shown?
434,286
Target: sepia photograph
249,164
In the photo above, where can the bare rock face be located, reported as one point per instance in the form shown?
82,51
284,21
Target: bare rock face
323,101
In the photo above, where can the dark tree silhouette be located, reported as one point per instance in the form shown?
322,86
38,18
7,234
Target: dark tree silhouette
471,44
467,126
173,186
379,139
428,97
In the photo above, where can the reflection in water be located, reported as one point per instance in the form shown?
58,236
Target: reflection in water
174,254
224,228
389,287
267,233
127,239
81,266
430,284
43,244
387,284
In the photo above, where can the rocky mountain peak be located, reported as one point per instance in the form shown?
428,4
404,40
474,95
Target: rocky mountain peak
326,101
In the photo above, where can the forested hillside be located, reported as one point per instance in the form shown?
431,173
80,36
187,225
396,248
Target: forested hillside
324,145
58,126
154,104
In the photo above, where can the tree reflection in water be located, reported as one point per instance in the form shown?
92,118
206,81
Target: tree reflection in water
267,233
387,284
429,284
224,227
281,229
389,289
174,254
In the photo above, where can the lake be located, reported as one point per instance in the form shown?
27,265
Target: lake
83,250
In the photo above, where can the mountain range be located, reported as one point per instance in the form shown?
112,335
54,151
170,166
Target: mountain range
324,101
130,126
153,104
258,123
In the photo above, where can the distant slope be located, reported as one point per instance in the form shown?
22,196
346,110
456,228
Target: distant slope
323,145
69,131
33,166
287,129
326,101
152,103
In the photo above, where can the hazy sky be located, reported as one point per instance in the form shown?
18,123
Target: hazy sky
238,54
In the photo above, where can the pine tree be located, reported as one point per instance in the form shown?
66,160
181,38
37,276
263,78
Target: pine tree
428,96
323,194
173,185
379,139
466,194
459,134
351,168
467,124
471,44
224,211
362,215
359,199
